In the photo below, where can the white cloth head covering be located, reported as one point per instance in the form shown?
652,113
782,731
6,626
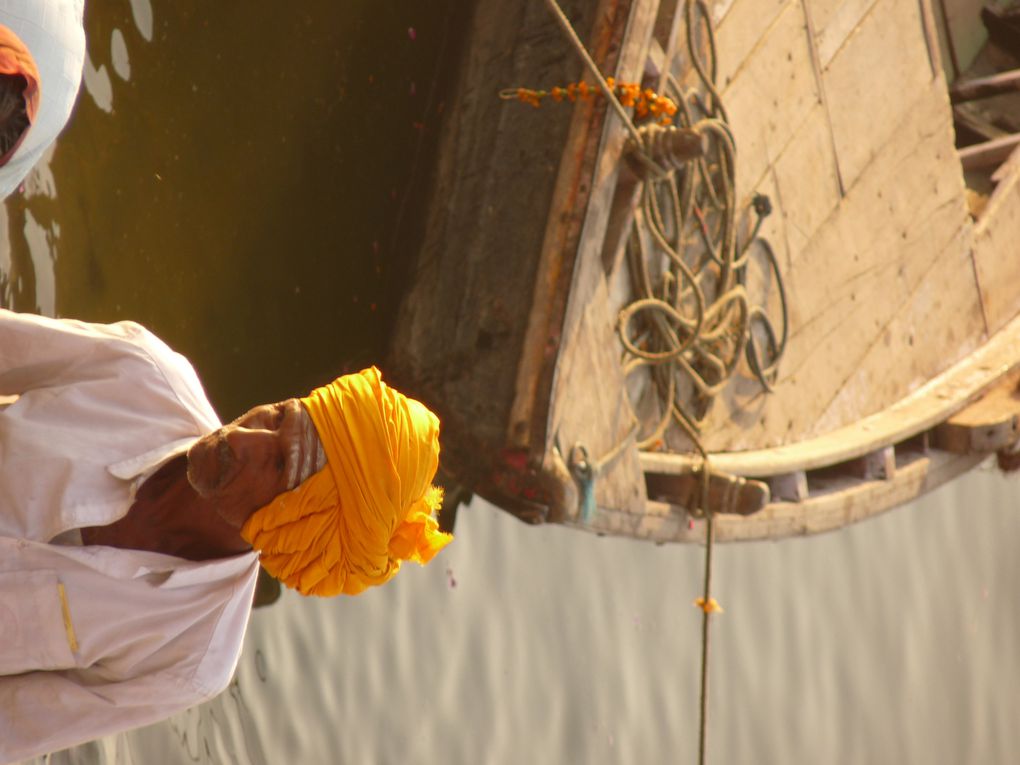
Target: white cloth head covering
53,33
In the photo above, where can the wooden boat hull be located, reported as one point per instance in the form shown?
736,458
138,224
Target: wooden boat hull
903,309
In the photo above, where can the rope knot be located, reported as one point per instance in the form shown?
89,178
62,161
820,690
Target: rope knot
762,205
663,149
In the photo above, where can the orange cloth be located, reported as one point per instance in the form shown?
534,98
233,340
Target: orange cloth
15,58
350,525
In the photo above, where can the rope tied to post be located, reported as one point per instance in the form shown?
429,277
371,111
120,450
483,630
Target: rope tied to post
585,470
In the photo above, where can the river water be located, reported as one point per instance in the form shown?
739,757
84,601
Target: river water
232,180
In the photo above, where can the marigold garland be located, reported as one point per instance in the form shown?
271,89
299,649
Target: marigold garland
645,101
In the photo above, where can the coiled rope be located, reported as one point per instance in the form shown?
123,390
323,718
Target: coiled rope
693,324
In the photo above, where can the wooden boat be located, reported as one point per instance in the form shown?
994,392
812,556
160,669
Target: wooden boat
861,345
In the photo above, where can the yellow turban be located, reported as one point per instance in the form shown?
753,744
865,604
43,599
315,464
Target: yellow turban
350,525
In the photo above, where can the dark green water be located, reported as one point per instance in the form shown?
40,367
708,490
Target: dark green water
234,177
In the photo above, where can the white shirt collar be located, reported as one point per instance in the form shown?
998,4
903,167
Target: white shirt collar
148,463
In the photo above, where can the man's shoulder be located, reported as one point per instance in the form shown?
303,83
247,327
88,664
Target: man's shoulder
175,369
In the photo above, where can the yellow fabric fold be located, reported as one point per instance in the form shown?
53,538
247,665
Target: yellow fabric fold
349,526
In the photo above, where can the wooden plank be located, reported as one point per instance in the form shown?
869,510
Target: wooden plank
816,66
741,25
884,276
865,82
976,123
879,465
840,508
667,38
937,321
931,38
985,87
989,153
989,424
728,495
588,402
457,337
789,487
835,22
770,96
578,214
1003,174
591,408
932,403
828,511
822,12
995,241
807,180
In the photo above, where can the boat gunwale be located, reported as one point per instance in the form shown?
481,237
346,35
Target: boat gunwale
929,405
819,513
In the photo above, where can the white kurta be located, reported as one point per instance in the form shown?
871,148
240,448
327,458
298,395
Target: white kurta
100,408
52,31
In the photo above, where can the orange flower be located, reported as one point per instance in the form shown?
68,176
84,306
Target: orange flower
628,94
530,96
711,607
645,102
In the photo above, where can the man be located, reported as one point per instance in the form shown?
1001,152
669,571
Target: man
42,52
128,516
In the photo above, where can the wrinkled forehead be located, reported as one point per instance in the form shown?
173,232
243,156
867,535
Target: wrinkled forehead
268,414
296,431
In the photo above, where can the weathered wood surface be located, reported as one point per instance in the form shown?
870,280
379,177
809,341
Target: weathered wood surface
830,497
588,404
985,87
996,259
989,153
771,90
844,121
841,116
727,495
870,223
988,425
579,207
933,403
789,487
478,277
834,508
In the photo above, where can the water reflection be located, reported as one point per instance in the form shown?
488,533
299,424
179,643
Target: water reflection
892,641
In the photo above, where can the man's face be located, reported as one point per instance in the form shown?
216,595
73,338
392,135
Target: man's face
242,466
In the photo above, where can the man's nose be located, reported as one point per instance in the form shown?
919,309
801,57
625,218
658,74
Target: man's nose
249,444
